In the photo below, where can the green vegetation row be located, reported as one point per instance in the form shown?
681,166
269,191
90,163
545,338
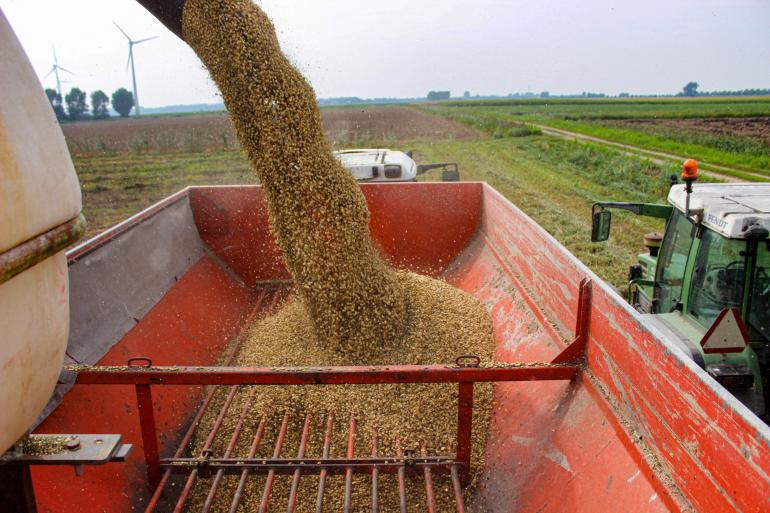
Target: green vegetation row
703,105
496,126
555,182
612,109
118,186
733,144
149,142
743,153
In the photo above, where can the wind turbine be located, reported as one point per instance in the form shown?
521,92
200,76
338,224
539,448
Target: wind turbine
55,70
131,44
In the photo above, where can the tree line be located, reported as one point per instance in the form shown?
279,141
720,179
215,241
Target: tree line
691,89
74,106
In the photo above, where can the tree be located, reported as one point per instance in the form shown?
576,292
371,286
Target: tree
99,104
467,94
438,95
123,102
76,104
691,89
55,99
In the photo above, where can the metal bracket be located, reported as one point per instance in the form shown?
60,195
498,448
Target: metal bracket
577,347
75,450
17,494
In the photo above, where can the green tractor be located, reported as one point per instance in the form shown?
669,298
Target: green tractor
705,283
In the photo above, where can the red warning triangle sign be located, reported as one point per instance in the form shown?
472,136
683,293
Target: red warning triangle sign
727,334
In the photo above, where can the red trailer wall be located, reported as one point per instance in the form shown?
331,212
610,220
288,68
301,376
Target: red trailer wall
421,227
191,325
711,446
553,446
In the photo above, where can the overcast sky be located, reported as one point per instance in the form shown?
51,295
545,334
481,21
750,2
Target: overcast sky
404,48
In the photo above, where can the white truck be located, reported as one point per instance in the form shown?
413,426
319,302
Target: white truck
384,165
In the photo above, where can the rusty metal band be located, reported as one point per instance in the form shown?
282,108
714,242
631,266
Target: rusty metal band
310,465
368,375
27,254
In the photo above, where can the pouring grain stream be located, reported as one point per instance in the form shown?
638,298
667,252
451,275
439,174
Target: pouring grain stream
349,308
317,211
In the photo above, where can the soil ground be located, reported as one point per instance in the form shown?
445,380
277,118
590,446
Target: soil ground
350,125
126,165
751,127
196,132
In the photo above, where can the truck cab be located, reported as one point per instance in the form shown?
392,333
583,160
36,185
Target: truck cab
713,256
384,165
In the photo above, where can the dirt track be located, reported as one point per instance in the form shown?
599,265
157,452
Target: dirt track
196,132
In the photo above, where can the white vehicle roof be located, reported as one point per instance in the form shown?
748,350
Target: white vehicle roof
727,208
363,156
361,162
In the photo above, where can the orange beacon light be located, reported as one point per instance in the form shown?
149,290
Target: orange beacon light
689,175
690,170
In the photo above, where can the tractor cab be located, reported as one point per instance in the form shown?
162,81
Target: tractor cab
711,260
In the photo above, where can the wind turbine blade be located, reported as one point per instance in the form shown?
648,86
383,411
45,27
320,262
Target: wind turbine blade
55,60
145,39
52,70
121,30
64,69
128,62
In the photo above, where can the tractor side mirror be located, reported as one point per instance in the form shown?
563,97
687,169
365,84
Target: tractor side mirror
600,225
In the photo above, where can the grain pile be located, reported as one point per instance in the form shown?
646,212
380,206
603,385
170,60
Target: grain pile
349,307
41,445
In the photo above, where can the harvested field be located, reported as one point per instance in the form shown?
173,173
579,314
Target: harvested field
757,128
357,124
198,132
189,133
125,165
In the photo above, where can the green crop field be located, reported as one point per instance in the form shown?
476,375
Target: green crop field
553,180
116,186
726,132
622,108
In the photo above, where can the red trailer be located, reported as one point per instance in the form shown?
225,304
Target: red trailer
619,420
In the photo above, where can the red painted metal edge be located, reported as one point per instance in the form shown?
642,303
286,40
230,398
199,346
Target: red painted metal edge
524,293
632,447
319,376
91,244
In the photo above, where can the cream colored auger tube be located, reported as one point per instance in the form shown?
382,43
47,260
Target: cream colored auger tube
38,191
